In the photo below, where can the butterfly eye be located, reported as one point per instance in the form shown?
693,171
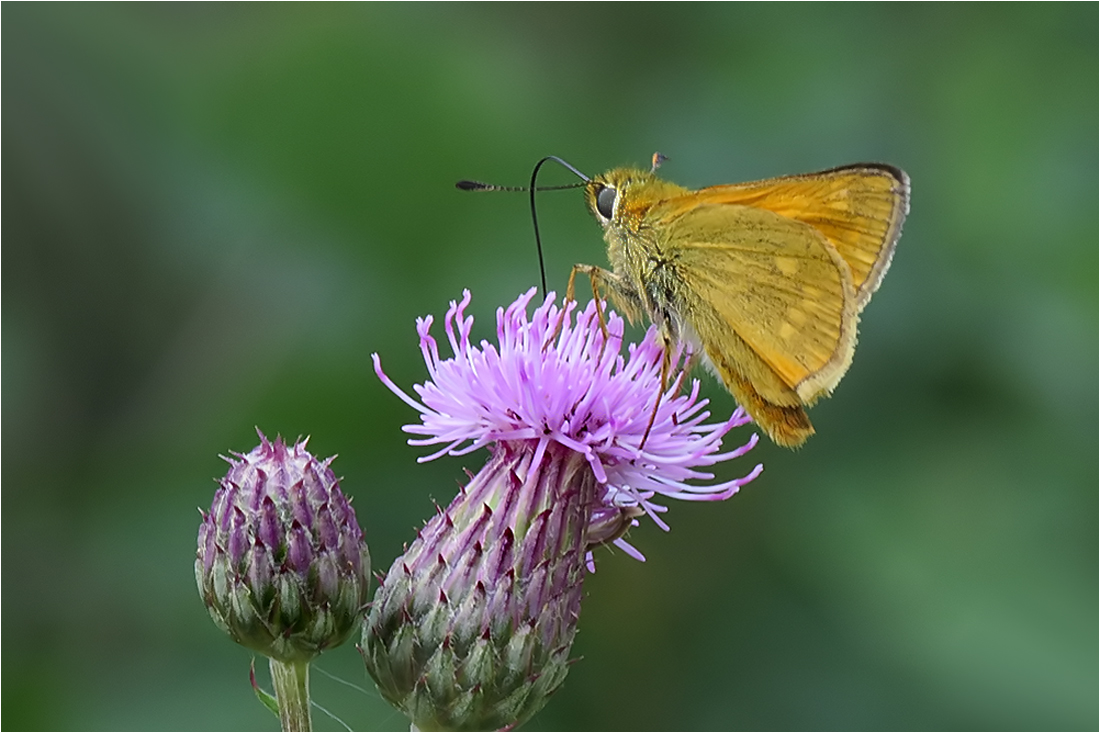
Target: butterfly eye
605,201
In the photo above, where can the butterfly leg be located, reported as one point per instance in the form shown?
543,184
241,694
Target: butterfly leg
667,346
691,360
665,368
625,298
631,304
597,276
609,282
593,273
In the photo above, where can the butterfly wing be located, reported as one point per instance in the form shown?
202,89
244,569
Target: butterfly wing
768,297
859,209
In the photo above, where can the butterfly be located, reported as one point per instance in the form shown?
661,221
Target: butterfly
766,279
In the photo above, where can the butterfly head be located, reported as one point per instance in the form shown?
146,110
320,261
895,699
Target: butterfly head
625,194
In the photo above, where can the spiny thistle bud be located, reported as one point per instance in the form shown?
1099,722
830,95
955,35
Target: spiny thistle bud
281,562
472,626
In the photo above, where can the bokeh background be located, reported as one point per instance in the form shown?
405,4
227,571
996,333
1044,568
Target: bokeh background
213,214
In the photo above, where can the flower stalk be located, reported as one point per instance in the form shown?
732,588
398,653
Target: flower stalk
291,683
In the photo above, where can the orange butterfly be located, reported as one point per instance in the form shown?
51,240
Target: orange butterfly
769,277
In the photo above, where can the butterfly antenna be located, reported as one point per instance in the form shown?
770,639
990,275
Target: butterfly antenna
534,213
479,186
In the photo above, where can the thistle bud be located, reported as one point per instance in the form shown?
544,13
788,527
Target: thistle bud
281,563
471,628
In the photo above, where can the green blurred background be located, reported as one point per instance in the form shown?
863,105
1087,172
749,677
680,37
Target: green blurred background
213,214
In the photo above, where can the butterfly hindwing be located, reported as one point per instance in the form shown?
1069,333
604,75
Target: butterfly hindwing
775,283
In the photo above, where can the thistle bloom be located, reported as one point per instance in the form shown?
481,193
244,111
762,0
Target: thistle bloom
472,626
552,383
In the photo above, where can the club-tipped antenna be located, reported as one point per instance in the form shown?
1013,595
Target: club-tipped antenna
479,186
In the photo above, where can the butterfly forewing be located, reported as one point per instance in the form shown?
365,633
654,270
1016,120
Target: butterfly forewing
859,209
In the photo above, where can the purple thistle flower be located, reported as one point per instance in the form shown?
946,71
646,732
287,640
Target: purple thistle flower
472,626
576,392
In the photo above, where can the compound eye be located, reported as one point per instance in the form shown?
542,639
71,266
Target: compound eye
605,201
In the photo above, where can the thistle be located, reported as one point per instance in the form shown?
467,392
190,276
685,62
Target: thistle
472,626
281,563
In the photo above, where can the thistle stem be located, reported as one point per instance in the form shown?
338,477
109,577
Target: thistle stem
291,681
